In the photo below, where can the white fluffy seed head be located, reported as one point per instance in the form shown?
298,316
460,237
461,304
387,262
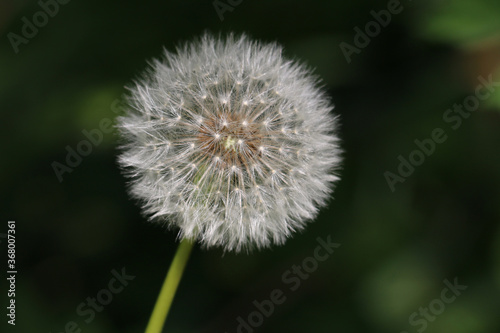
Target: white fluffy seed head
230,142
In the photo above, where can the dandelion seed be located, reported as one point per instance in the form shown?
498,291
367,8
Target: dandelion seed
233,190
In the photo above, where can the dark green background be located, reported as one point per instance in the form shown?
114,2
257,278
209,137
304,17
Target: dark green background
396,248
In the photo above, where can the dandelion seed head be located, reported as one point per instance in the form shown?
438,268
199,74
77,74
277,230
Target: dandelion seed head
233,162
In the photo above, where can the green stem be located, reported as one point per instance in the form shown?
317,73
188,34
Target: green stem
169,287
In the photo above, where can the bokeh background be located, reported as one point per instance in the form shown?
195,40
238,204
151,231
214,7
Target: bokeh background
397,247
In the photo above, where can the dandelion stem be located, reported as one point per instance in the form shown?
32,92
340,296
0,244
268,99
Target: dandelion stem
169,287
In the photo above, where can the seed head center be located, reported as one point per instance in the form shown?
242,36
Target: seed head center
232,139
229,143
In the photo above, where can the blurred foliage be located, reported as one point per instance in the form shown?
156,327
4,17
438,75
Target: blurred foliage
461,22
397,248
